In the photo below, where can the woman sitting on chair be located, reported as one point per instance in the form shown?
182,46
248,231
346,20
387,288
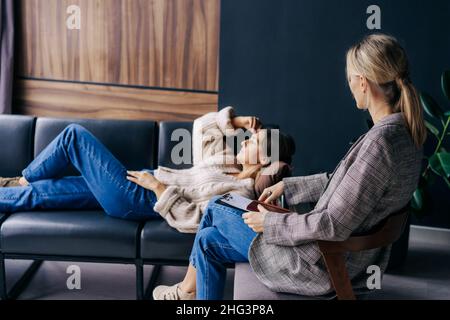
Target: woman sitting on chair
376,178
179,196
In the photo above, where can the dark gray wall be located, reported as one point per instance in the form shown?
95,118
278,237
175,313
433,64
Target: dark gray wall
284,61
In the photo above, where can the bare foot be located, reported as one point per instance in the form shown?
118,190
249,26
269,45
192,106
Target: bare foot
23,182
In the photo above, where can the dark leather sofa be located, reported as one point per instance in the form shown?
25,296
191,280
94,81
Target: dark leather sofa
88,236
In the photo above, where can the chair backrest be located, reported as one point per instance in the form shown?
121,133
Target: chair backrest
387,232
383,235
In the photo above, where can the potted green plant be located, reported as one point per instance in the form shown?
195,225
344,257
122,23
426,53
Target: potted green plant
437,165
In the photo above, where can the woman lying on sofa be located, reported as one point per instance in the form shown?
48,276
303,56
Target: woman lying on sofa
376,178
179,196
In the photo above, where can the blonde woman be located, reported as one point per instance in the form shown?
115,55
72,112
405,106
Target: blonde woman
377,177
179,196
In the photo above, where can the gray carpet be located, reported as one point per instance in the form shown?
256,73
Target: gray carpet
426,275
98,281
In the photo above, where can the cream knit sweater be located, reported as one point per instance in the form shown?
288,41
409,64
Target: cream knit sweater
189,191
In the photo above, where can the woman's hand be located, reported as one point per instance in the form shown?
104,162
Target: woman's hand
250,123
147,181
255,220
273,193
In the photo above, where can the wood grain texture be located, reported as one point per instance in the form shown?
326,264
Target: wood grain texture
155,43
75,100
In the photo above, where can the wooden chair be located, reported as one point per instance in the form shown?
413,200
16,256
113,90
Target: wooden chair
333,253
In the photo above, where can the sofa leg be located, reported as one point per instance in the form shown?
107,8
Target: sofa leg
152,282
21,284
139,280
25,280
3,289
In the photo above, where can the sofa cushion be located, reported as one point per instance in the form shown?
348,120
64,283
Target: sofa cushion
132,142
159,241
16,144
69,233
166,145
248,287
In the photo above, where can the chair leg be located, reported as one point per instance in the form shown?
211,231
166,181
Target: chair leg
139,279
339,276
152,282
3,289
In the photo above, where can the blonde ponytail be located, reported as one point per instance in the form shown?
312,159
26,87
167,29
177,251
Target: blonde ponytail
409,105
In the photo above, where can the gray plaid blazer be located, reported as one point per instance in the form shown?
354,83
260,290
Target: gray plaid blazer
377,177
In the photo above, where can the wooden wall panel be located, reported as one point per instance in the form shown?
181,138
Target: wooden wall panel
75,100
155,43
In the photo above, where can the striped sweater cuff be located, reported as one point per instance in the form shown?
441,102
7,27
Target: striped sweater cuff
223,120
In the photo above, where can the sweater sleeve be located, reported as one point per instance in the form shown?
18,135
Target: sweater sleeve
209,132
356,197
179,213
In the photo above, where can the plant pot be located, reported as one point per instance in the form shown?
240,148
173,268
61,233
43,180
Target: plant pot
399,250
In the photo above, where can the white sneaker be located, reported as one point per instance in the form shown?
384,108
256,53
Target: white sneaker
171,293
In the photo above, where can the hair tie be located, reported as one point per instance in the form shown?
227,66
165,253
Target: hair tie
400,82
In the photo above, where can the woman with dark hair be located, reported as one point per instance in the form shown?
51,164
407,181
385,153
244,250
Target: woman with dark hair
179,196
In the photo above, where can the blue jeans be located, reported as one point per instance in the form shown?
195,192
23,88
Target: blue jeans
102,183
223,238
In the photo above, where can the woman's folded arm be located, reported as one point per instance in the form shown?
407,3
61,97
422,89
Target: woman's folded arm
209,132
354,199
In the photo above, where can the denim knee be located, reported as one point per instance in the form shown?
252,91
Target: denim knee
75,128
207,217
199,245
201,241
204,238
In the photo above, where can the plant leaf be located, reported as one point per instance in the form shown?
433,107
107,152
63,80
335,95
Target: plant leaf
417,200
432,129
435,165
440,164
431,107
446,83
444,158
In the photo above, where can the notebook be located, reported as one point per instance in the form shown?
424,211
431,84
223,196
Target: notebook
237,201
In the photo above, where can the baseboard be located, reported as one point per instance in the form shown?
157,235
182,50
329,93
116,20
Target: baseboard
435,236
